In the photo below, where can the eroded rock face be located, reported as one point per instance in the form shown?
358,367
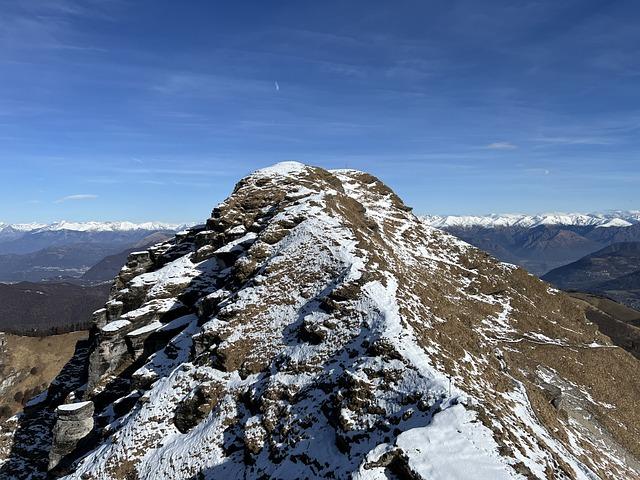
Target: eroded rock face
197,405
74,422
315,328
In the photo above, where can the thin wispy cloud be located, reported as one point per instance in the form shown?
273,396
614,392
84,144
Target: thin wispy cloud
41,25
538,171
501,146
575,140
77,197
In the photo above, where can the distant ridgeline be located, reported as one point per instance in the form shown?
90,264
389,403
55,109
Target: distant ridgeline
64,270
68,250
541,243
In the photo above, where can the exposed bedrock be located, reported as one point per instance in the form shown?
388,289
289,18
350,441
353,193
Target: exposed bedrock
73,423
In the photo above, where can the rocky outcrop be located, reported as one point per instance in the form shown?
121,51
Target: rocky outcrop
74,422
197,405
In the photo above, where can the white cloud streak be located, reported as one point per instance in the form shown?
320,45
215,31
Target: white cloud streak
77,197
501,146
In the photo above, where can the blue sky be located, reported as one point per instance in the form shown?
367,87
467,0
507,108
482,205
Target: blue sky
152,110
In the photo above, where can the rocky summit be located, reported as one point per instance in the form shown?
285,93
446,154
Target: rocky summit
315,328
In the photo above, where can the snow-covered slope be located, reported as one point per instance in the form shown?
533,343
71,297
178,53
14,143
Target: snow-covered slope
315,328
21,227
611,219
91,226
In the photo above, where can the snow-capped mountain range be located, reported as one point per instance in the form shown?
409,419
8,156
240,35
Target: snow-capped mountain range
608,219
91,226
37,251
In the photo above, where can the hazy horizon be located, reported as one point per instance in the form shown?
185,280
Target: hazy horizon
180,222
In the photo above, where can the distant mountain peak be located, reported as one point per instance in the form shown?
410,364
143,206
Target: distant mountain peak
92,226
607,219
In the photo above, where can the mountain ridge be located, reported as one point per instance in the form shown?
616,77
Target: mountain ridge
91,226
315,328
616,218
543,247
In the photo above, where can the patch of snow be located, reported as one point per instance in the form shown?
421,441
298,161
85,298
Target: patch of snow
151,327
71,407
616,222
282,168
41,397
115,325
453,446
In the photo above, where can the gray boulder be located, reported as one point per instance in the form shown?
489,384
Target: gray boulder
73,423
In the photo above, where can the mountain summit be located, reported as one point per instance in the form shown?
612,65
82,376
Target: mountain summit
315,328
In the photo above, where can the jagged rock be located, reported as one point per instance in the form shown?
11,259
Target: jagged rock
141,260
114,309
254,435
74,422
208,305
206,237
197,405
99,318
110,353
204,252
136,339
396,462
554,394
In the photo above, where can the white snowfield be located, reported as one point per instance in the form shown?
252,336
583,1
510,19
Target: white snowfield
602,220
369,396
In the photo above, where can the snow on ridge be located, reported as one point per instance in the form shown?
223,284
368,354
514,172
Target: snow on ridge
609,219
110,226
92,226
616,222
21,227
289,168
282,169
71,407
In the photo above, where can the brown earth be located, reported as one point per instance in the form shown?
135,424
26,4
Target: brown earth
29,364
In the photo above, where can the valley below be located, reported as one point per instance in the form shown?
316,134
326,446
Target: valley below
591,253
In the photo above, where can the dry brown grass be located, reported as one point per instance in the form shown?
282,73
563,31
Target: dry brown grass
34,362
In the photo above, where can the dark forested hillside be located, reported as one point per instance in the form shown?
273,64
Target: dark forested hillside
55,262
48,308
613,271
544,247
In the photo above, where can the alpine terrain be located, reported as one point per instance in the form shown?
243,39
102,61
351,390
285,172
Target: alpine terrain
67,250
541,243
315,328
